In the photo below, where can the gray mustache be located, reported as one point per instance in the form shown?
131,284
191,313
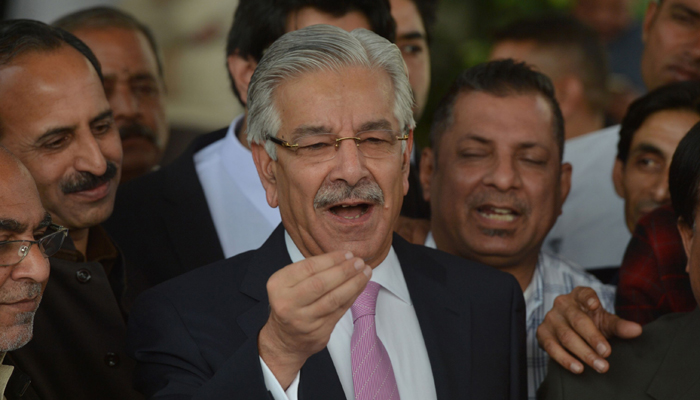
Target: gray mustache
365,191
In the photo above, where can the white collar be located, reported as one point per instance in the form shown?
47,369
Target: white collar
240,167
430,241
388,273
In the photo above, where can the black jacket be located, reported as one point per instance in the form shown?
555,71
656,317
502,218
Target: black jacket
195,337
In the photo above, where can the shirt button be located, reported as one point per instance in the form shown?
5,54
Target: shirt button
83,275
112,360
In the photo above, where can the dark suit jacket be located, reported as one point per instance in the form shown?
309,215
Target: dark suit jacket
195,337
162,222
662,364
77,351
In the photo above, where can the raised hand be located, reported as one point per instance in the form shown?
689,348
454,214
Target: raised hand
307,299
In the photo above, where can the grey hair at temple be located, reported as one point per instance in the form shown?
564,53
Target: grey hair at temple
321,48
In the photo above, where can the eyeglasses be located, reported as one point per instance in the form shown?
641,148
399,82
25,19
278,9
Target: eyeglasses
323,147
12,252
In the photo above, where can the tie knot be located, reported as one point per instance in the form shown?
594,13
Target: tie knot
366,302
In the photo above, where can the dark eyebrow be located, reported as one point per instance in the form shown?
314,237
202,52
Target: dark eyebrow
70,129
12,225
686,9
107,114
45,222
475,138
411,36
379,125
57,131
144,76
648,148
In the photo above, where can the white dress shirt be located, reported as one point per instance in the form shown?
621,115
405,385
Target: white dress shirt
591,231
235,195
397,328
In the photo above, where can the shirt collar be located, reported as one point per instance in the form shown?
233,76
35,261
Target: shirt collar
388,273
240,167
99,248
430,241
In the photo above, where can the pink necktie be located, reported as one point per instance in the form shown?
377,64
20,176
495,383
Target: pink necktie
372,374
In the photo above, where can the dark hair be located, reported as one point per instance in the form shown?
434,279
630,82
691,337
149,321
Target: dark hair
500,78
258,23
428,13
576,47
20,36
675,96
684,176
108,17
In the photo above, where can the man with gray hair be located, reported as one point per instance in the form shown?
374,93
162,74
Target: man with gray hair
27,238
332,306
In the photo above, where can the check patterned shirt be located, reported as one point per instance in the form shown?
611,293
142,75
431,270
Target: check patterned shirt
553,276
653,281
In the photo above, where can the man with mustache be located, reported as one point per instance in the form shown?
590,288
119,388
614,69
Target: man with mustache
208,204
55,118
133,81
332,306
496,184
27,238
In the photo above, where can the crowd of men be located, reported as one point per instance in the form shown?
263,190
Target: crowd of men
310,251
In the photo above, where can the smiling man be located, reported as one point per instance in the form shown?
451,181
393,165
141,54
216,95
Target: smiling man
330,125
55,118
496,184
27,238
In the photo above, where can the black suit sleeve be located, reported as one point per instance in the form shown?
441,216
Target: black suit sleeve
170,365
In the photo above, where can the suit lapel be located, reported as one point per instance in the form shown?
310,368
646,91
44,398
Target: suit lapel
186,214
319,380
677,377
444,328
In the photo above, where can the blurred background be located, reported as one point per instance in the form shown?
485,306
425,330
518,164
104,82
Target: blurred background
192,37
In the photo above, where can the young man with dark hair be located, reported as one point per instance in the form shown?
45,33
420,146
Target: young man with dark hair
133,81
652,280
56,119
208,204
415,20
496,184
664,361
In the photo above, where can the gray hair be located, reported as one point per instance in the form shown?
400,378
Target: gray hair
321,48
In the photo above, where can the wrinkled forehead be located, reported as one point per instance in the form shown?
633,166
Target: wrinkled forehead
510,119
42,90
333,99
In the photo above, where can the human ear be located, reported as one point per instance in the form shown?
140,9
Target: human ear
267,170
241,69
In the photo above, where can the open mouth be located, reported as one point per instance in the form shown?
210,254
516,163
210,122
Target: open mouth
498,213
350,211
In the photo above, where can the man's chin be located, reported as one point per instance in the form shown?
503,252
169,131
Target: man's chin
16,336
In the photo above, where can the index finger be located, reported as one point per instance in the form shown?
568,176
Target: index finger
299,271
586,298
